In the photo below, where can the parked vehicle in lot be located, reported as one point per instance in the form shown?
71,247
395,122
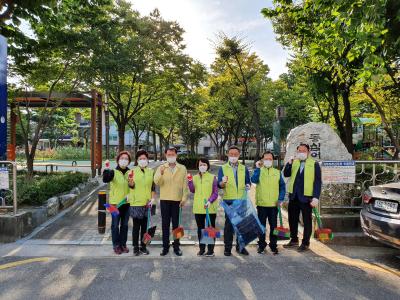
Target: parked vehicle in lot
380,215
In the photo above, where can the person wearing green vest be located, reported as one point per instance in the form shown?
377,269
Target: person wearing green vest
270,192
204,185
141,197
234,179
304,191
119,189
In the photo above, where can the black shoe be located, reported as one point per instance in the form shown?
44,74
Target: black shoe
136,251
210,253
274,250
243,252
292,244
302,248
261,250
178,252
164,252
201,252
227,252
144,250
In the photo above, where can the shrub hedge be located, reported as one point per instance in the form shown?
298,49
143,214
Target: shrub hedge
44,186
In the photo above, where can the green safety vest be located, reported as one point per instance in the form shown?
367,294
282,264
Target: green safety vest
141,193
309,174
267,190
203,187
231,191
118,187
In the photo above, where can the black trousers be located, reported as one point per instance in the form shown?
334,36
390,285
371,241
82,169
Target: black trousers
139,226
201,223
294,209
270,213
169,214
228,235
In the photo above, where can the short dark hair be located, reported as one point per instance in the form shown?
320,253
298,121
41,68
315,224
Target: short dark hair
268,152
140,153
304,145
171,149
234,148
203,160
122,153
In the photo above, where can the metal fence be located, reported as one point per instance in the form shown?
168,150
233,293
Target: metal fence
368,173
8,189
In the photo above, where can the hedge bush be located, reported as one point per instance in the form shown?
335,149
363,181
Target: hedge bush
44,186
64,153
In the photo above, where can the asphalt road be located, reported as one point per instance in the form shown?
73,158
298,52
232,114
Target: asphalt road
289,275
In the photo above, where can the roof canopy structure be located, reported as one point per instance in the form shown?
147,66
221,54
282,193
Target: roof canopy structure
91,99
67,100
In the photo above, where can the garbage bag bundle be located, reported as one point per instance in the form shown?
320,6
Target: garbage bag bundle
244,219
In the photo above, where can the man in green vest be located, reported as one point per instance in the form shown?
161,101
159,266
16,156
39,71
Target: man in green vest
270,193
234,179
304,192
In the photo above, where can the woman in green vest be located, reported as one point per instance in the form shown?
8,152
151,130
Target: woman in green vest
141,197
270,192
118,179
204,185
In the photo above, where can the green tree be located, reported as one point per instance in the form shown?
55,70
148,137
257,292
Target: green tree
248,73
51,60
137,61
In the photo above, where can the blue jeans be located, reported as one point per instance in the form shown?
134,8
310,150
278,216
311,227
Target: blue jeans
119,226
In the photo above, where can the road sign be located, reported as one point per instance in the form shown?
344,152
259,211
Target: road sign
4,179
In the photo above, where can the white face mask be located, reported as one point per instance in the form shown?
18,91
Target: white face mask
203,169
171,160
267,163
233,159
302,156
143,163
123,163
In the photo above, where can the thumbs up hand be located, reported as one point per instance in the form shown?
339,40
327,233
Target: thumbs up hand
131,177
107,165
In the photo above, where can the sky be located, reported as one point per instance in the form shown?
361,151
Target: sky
202,20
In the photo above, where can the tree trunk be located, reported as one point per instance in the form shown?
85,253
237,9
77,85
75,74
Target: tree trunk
154,145
161,146
136,147
336,114
29,165
192,148
348,120
121,137
385,123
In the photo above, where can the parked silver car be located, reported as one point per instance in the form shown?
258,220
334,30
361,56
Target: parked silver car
380,216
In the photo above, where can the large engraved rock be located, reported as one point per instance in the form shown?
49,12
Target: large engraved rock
325,144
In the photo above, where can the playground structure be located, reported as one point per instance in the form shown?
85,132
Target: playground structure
92,100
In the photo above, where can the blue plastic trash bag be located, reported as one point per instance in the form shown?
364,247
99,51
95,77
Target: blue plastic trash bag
244,219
